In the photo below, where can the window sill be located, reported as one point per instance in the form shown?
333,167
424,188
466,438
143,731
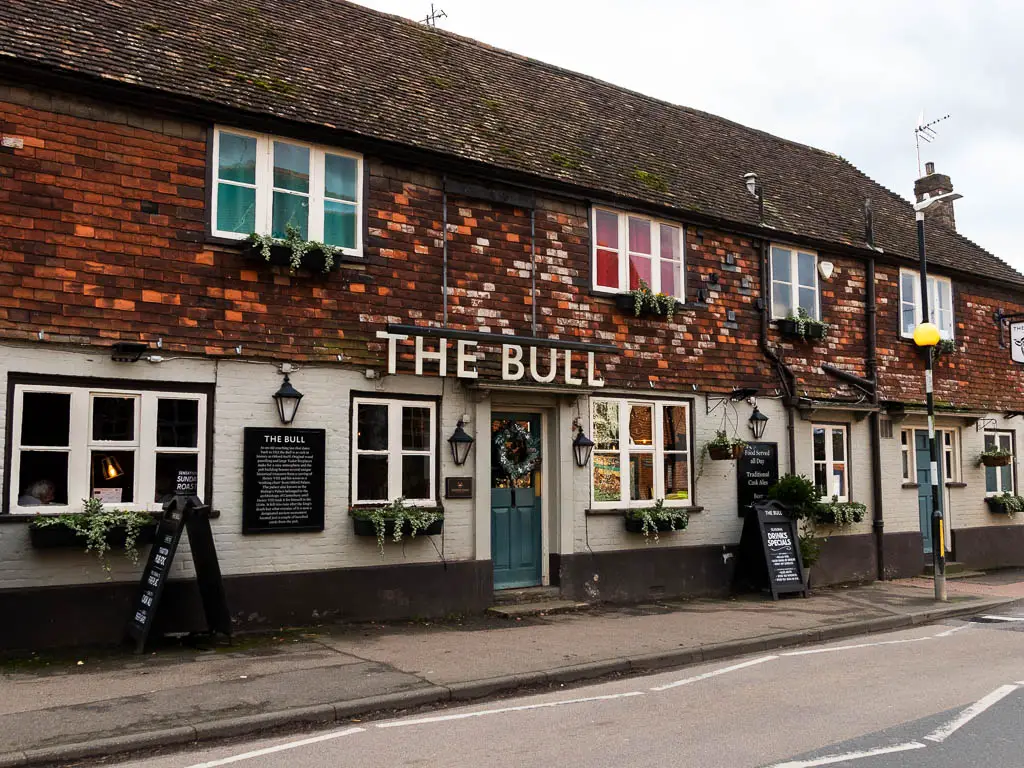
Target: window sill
242,243
612,298
956,485
426,507
22,517
622,512
911,485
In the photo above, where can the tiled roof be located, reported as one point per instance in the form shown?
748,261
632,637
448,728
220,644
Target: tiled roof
331,63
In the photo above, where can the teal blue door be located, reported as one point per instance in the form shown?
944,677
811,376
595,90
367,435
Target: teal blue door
515,512
922,450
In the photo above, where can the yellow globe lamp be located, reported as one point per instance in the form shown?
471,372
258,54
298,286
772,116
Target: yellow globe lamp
926,335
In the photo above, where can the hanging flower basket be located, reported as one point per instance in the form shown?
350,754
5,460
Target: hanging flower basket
996,459
518,450
726,452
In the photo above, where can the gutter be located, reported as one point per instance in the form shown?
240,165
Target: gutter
785,374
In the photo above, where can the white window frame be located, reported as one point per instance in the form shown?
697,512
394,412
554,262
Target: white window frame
265,186
623,218
656,449
949,453
394,450
936,283
81,445
794,282
907,456
830,459
1011,438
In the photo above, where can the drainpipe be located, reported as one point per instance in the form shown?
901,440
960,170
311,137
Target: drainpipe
444,248
878,521
785,374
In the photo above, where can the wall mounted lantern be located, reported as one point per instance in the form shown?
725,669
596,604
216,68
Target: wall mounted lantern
460,442
287,399
582,446
758,421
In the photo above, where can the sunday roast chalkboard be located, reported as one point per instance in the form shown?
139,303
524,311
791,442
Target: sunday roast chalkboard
757,470
283,480
769,556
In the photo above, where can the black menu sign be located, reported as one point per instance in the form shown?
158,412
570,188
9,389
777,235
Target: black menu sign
283,480
769,556
757,470
161,555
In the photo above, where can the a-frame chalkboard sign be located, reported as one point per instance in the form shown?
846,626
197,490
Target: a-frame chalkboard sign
769,556
186,513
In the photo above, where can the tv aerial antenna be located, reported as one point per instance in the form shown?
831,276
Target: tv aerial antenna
925,132
433,16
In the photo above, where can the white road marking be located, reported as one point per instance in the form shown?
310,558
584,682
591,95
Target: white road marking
717,672
833,649
949,632
939,735
278,748
831,759
1003,618
503,710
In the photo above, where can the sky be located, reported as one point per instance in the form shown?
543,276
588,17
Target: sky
849,77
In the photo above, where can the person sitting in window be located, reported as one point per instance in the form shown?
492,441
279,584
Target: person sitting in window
39,493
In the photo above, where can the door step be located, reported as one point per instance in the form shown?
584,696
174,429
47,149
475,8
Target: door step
538,608
526,595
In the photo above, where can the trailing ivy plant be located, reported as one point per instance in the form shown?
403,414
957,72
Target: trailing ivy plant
995,454
398,512
722,440
676,518
94,524
657,303
837,512
1007,503
804,323
945,347
298,247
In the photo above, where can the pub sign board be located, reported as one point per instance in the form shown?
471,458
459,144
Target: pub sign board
1017,342
283,480
756,471
769,556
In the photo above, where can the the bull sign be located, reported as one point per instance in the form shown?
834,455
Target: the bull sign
1017,342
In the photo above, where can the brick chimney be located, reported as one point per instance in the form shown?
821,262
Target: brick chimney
930,185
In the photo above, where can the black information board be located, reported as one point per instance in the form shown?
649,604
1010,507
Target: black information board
769,556
757,470
458,487
283,480
181,513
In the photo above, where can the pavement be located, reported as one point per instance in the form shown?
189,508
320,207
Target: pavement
58,709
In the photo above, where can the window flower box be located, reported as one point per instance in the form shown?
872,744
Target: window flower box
1005,504
794,328
661,526
292,252
63,537
657,519
626,302
366,528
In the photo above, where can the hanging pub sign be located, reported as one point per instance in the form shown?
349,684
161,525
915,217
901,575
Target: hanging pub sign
282,480
1017,342
543,365
757,470
769,556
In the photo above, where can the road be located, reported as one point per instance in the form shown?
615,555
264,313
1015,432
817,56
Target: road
949,694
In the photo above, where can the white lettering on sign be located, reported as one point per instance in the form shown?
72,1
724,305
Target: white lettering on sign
1017,342
544,363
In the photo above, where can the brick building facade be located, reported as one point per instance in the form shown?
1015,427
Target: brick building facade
114,198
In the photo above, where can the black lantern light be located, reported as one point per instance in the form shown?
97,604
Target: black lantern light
287,399
460,443
582,446
758,421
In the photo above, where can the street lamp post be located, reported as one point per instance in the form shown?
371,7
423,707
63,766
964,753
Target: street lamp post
926,335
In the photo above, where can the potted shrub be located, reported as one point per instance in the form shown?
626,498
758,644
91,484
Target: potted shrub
642,301
725,448
293,252
945,347
798,493
396,520
995,457
810,550
1005,504
96,530
657,519
839,513
803,326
